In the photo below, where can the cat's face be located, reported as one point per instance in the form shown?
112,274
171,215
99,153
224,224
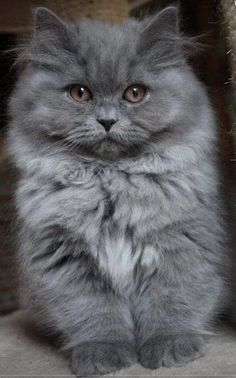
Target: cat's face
102,89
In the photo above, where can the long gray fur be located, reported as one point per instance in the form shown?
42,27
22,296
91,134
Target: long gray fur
123,242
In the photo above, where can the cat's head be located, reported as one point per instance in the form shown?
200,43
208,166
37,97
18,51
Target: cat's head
103,89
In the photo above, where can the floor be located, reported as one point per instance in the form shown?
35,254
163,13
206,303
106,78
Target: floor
23,353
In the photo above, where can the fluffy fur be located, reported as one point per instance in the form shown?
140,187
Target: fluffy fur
123,243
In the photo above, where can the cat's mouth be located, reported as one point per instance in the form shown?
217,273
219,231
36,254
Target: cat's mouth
111,139
110,146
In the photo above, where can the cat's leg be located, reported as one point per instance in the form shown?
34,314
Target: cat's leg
76,300
174,303
165,335
105,340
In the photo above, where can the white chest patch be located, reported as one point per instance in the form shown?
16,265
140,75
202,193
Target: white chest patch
118,257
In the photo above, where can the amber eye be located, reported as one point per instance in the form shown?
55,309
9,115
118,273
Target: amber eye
134,93
80,93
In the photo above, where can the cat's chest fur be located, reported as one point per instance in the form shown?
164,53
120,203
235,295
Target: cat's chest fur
121,244
120,215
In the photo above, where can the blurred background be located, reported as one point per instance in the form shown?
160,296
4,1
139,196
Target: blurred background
214,19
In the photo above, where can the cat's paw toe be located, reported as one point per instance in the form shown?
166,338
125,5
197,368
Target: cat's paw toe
100,358
171,350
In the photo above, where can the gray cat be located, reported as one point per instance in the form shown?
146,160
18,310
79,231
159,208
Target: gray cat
123,243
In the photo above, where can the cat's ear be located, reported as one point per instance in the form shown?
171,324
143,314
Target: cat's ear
160,35
51,38
157,28
45,20
163,23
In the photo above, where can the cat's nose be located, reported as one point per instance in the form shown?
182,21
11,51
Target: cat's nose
107,123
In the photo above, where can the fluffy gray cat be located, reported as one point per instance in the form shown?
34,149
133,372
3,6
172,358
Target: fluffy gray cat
123,243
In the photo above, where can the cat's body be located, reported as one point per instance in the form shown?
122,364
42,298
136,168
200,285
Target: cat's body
123,242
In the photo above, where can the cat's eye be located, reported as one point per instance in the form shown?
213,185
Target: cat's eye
135,93
80,93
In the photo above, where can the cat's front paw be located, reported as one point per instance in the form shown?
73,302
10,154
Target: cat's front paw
101,358
171,350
